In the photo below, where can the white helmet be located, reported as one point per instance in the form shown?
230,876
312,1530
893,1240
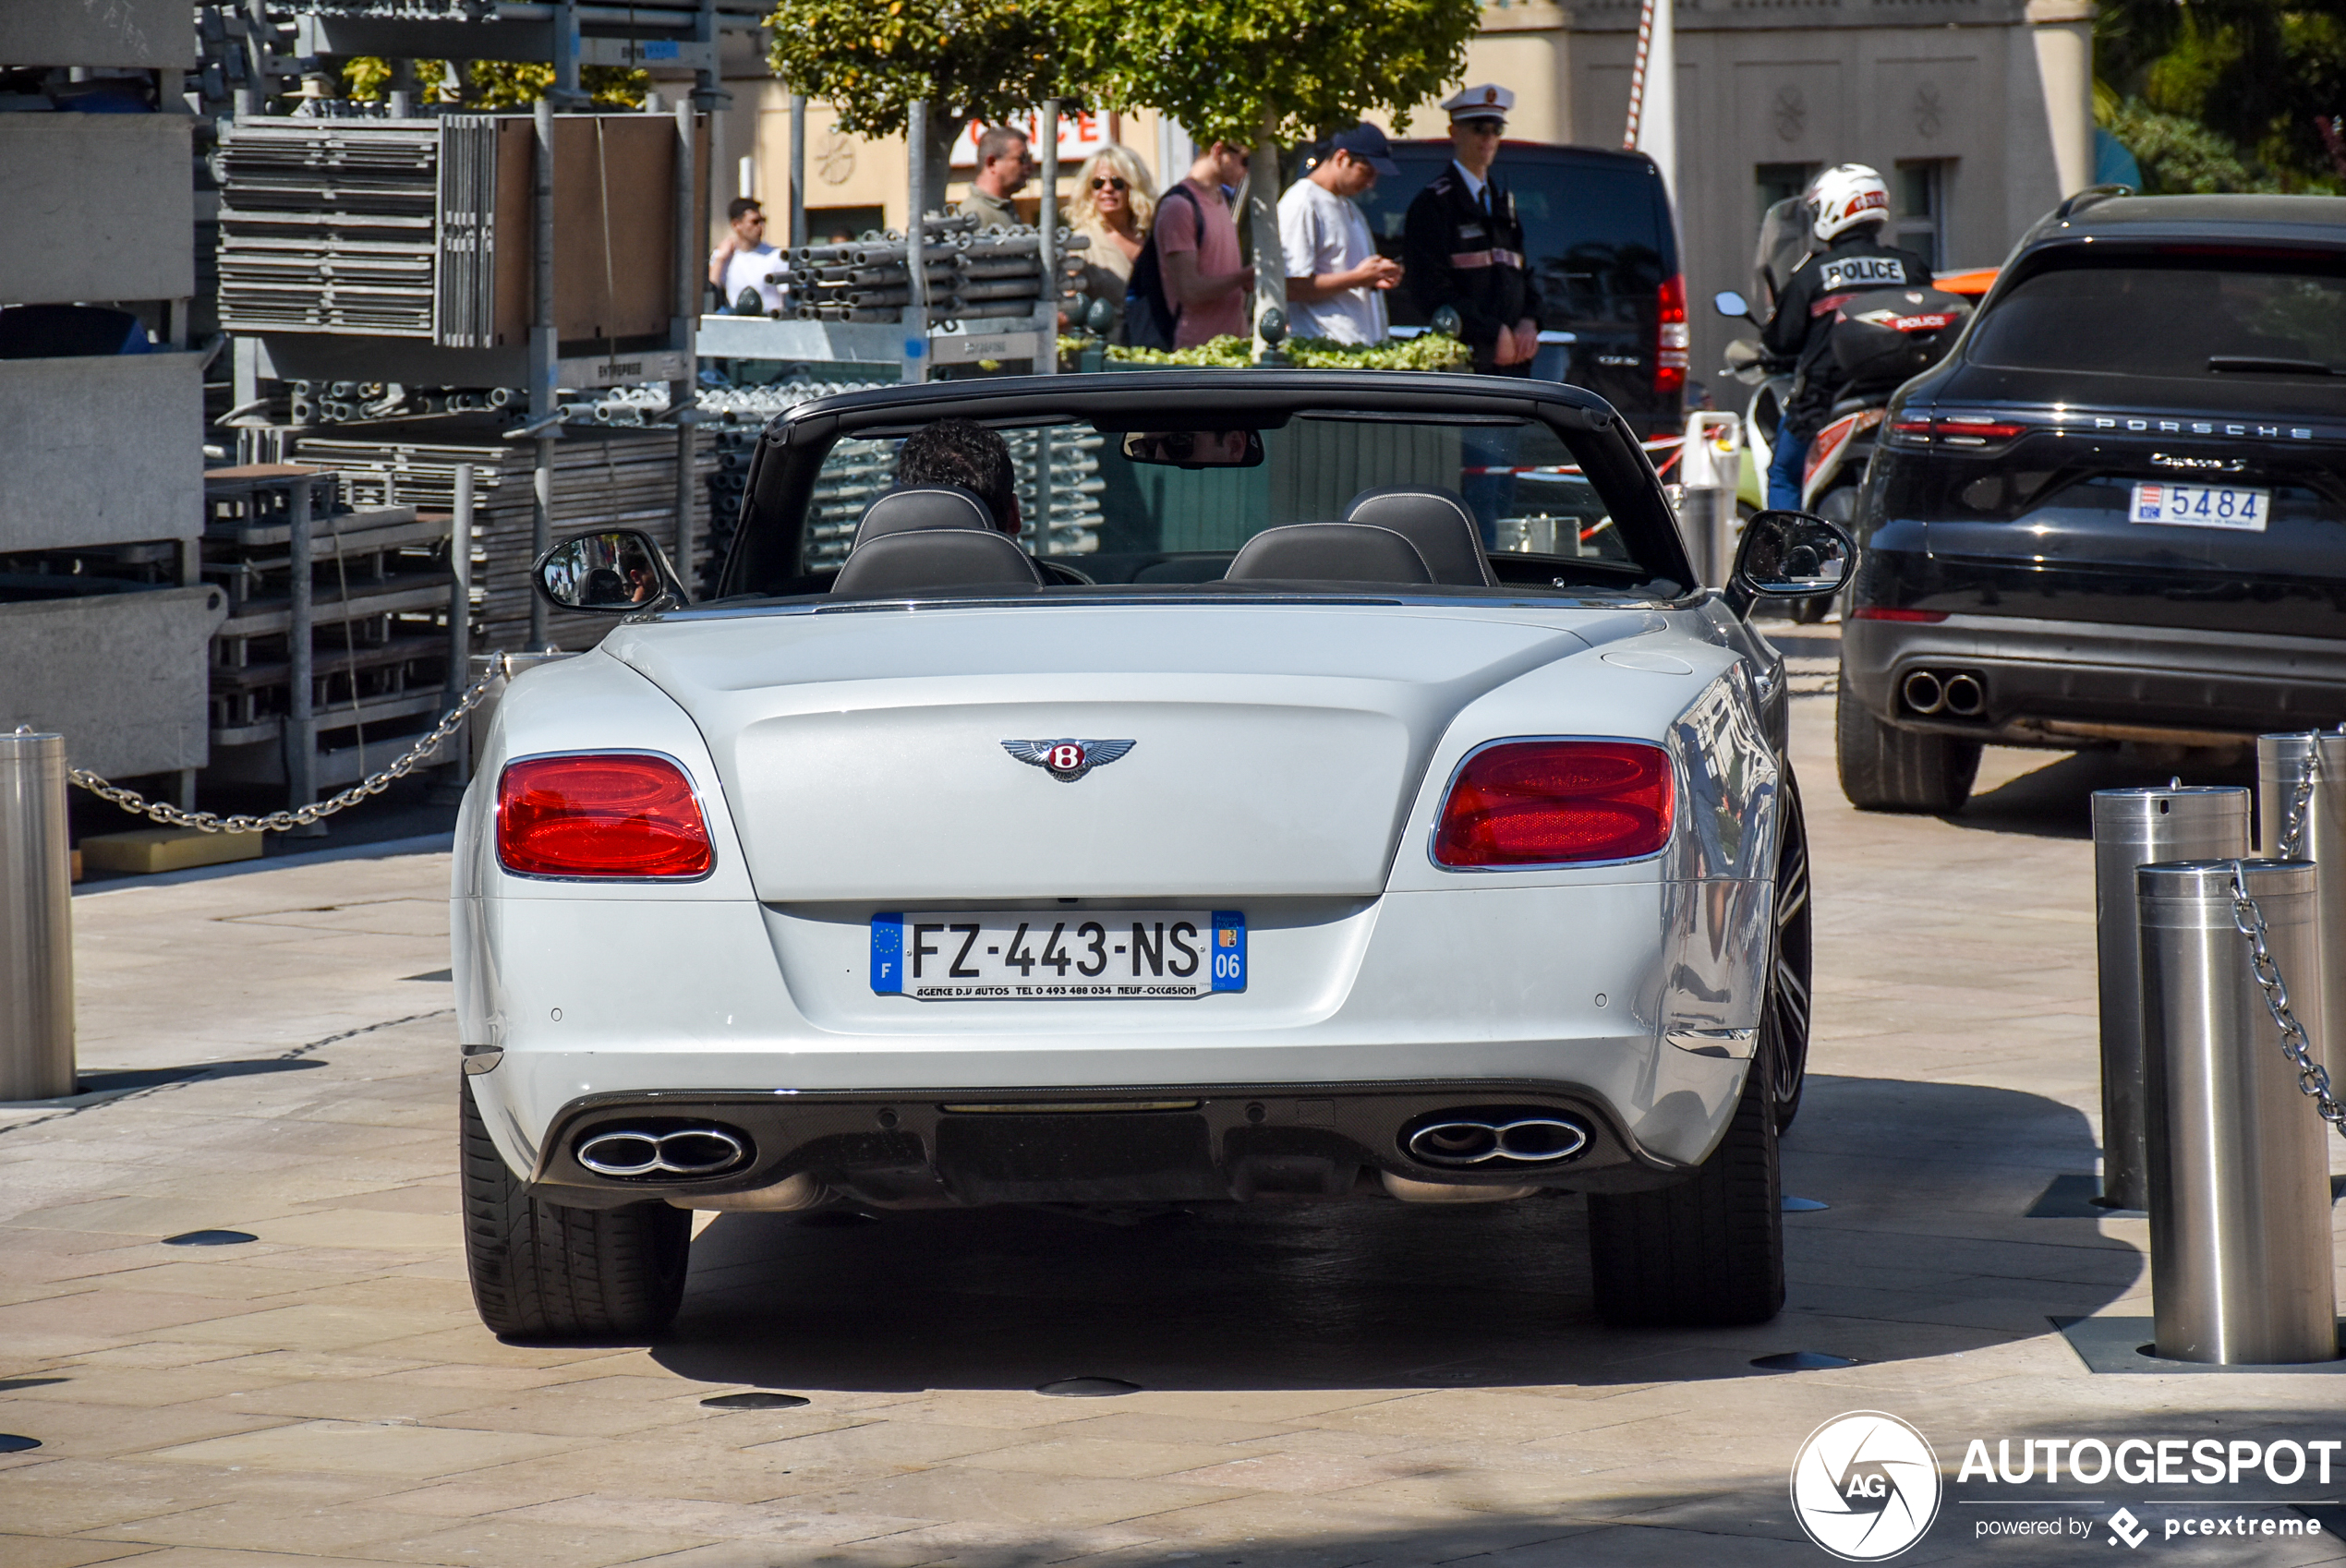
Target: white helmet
1845,196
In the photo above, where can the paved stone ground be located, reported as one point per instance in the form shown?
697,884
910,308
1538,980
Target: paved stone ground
1322,1386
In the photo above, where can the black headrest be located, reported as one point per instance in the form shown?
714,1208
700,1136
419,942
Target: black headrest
941,557
1330,552
1434,520
922,507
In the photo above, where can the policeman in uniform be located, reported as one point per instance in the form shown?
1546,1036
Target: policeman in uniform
1462,245
1848,204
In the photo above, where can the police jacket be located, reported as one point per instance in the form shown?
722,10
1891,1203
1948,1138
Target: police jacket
1802,326
1458,255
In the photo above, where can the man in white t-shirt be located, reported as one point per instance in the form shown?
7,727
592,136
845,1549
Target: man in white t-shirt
746,261
1336,281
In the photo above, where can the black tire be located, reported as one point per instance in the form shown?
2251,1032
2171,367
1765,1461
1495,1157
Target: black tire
541,1271
1785,1015
1884,768
1708,1252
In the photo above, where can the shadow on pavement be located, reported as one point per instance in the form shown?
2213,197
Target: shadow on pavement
2054,801
102,1080
1922,1252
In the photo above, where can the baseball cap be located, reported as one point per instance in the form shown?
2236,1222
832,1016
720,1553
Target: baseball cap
1368,144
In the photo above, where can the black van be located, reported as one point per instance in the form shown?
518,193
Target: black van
1597,225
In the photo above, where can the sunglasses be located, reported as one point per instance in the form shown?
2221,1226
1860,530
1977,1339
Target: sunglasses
1110,185
1487,127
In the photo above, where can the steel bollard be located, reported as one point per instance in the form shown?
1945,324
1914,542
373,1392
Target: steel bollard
2281,769
2240,1249
36,921
2132,828
1709,462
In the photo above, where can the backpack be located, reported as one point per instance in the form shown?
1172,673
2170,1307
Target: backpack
1150,320
1884,336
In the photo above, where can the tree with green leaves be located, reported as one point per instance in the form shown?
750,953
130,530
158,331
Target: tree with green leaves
2224,95
872,60
1243,71
1266,71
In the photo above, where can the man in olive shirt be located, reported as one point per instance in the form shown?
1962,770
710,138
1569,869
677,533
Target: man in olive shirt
1004,162
1462,244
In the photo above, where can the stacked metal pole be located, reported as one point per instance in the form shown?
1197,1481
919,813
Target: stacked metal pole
36,921
998,274
544,352
915,314
797,170
682,336
301,719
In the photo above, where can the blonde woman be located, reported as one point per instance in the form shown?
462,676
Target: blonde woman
1114,198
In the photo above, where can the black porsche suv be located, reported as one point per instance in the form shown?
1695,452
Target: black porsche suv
2117,510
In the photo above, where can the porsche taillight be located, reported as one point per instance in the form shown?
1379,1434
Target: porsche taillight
1556,802
603,814
1670,338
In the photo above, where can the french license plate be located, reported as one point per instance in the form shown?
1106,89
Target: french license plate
1111,955
2201,506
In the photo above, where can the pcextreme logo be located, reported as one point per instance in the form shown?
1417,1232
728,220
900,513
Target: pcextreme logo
1865,1485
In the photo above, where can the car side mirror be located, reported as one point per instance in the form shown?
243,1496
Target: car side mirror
616,572
1789,555
1727,302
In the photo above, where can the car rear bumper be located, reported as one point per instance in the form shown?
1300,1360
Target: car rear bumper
1156,1143
2067,682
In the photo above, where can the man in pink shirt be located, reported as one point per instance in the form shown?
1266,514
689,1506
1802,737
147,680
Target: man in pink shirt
1203,279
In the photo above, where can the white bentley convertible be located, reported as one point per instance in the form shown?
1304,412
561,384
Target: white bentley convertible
1342,789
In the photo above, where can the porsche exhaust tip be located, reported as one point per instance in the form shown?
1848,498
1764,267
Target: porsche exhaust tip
1964,695
1924,692
1507,1137
633,1153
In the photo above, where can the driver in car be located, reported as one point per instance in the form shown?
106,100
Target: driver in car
958,451
1849,203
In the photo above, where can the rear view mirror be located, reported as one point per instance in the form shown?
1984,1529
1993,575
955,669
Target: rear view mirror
1195,449
607,573
1789,555
1727,302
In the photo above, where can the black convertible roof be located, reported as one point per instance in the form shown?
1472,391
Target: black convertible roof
1195,399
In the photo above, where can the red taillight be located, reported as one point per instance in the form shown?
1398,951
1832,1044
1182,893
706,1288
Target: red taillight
1875,612
1976,430
1957,429
1670,338
1554,803
620,814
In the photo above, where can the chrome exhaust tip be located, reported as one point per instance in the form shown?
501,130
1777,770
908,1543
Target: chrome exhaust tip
1499,1138
631,1153
1923,692
1964,697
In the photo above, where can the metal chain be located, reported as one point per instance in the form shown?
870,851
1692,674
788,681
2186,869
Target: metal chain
2313,1078
2292,832
301,817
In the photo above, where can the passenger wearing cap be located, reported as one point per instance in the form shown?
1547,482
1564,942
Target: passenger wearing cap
1336,281
1463,244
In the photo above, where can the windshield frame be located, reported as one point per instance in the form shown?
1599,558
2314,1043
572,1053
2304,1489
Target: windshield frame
767,545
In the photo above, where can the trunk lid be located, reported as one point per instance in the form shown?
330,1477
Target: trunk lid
1276,749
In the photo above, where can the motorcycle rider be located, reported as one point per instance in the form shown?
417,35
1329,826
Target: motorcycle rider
1849,203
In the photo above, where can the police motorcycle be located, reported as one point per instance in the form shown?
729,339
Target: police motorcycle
1784,240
